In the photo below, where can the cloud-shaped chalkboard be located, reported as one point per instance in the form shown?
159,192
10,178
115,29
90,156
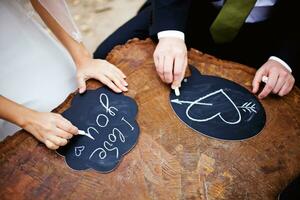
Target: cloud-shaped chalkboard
110,130
218,108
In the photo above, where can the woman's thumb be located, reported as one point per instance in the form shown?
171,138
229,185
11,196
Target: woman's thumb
81,85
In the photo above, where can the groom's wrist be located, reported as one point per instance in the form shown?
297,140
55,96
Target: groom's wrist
171,34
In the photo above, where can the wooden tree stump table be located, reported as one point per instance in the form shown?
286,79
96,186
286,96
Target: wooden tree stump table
170,161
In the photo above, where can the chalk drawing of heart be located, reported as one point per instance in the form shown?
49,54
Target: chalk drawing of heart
219,114
79,150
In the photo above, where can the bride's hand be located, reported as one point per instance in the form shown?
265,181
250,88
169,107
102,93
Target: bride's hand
87,67
103,71
50,128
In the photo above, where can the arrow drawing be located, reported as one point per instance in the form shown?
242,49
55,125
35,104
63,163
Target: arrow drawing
189,102
248,106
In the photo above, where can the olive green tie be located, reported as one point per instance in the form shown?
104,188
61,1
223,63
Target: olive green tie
230,19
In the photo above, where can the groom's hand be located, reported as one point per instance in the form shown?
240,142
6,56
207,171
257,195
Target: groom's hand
280,80
170,58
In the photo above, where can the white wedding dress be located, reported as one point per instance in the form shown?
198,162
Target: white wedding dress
35,69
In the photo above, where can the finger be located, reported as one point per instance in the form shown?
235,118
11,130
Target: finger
160,67
116,69
57,140
117,82
168,69
280,82
110,84
107,80
272,80
67,126
63,134
120,72
179,70
81,84
156,60
185,64
291,85
257,79
284,90
51,145
287,87
120,77
124,83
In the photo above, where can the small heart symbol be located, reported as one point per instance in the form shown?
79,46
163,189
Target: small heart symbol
79,150
219,105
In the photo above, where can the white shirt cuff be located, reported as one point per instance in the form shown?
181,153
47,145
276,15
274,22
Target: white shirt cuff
281,62
171,33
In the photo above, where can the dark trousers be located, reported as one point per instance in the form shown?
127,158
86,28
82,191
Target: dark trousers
137,27
292,191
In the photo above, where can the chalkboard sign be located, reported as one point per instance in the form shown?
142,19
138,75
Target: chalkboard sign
218,108
110,130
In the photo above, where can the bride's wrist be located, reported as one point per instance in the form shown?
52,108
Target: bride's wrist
26,117
81,56
15,113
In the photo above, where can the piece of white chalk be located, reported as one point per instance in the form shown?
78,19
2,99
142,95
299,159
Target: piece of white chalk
265,79
81,132
177,92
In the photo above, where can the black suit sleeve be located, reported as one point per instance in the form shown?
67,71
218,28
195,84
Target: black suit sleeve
288,51
285,20
169,15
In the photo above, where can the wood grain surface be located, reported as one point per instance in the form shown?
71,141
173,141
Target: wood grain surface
170,161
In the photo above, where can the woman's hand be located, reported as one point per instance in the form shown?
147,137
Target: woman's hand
87,67
103,71
50,128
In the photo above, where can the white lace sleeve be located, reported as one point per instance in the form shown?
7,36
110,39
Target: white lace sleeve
59,10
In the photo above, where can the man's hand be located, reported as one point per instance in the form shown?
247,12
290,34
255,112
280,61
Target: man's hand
170,58
280,80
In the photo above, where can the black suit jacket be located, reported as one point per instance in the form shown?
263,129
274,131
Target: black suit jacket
285,20
169,15
179,14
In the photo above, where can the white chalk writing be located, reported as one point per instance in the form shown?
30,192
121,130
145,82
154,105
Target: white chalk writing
79,150
102,121
248,106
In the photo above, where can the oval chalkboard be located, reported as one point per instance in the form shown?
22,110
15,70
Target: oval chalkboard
218,108
110,130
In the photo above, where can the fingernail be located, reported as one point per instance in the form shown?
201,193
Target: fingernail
124,89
